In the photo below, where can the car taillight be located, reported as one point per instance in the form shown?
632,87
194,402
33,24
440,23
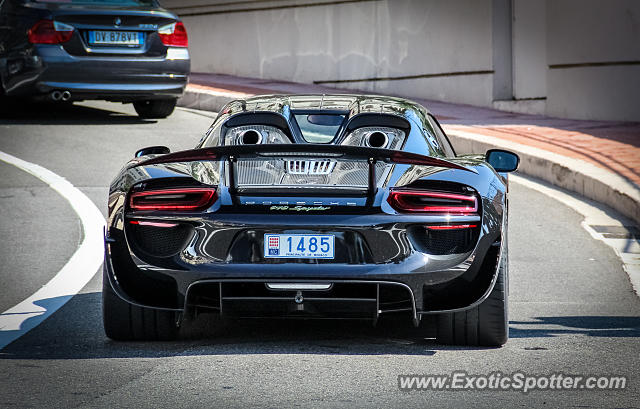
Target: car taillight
434,202
174,35
50,32
452,226
186,199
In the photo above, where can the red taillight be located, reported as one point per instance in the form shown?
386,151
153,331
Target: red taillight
50,32
152,224
174,35
186,199
434,202
452,226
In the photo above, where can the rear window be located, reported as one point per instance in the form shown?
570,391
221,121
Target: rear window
103,2
319,128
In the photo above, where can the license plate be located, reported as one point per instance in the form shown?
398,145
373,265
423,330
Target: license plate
298,245
116,37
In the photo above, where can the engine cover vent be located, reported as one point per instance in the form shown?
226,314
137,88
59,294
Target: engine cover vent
310,167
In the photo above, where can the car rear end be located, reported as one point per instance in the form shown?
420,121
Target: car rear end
127,51
330,239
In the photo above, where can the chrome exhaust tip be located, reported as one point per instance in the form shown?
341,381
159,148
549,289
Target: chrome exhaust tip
65,96
56,95
377,139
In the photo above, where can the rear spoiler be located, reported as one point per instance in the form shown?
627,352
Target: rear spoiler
356,153
269,151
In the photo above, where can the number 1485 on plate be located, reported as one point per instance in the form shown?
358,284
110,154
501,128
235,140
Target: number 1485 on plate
299,246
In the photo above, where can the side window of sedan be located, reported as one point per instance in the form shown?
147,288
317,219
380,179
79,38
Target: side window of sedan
442,137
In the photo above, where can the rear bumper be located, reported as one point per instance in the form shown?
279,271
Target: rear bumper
118,78
230,288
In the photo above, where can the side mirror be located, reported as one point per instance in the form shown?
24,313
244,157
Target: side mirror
152,150
502,161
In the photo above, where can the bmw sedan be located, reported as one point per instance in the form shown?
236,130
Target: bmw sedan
129,51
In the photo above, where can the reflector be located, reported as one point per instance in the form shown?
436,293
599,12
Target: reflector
452,227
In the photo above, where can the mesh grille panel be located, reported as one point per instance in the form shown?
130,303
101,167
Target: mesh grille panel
276,173
161,241
441,242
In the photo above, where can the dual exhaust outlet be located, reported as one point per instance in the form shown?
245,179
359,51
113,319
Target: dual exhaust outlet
374,139
60,95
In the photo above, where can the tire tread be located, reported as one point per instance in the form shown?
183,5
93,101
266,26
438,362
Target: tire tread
485,325
127,322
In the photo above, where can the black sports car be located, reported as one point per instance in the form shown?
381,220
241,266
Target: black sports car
73,50
331,206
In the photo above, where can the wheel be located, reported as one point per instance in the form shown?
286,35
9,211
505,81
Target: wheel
155,108
127,322
485,325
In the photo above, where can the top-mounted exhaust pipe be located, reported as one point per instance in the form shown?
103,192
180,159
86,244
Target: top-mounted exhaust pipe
376,139
250,137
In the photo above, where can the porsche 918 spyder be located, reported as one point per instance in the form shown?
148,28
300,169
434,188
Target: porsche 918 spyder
311,206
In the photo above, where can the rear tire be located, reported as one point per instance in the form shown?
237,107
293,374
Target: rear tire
127,322
155,108
485,325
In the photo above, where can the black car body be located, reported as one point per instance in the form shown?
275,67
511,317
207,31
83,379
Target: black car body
408,227
123,51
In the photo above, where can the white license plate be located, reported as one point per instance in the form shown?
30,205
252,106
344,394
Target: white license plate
298,245
116,37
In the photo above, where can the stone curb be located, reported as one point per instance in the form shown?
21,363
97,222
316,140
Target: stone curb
571,174
208,100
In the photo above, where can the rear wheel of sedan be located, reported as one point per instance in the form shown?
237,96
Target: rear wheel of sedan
485,325
127,322
155,108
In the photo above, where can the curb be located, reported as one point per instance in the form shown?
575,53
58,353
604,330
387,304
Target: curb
208,100
571,174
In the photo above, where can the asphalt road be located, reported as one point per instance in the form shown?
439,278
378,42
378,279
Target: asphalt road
572,308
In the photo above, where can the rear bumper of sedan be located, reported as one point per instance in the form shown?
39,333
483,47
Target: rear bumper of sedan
113,78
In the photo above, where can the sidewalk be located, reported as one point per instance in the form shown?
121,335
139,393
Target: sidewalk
597,159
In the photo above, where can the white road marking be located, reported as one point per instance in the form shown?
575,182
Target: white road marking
74,275
595,214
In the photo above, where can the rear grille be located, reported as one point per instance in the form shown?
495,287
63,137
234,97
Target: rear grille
161,241
310,167
442,242
312,173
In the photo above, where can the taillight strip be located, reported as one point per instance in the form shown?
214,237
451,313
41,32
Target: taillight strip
398,200
186,199
452,227
152,224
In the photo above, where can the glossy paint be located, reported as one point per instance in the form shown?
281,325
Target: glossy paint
373,242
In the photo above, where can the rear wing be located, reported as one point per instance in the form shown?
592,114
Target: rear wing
303,151
343,152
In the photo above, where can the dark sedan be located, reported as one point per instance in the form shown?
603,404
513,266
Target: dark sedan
129,51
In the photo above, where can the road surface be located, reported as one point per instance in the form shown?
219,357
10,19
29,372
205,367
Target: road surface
572,308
